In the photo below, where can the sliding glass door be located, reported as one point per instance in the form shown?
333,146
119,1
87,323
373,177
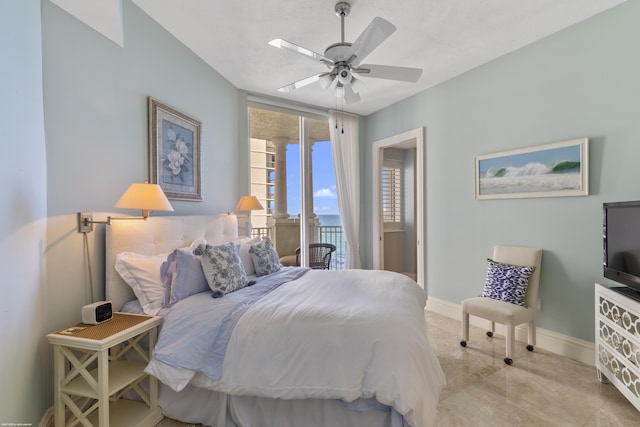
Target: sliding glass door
295,182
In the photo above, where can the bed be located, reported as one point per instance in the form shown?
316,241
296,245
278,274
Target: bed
308,347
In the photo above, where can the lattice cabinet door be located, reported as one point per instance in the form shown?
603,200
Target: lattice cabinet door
618,340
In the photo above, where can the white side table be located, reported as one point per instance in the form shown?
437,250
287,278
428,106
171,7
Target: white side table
99,376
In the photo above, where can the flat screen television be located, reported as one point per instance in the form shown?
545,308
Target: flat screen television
621,239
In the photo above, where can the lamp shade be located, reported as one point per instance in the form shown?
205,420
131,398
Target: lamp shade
146,197
248,203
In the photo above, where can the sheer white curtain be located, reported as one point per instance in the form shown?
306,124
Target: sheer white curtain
346,163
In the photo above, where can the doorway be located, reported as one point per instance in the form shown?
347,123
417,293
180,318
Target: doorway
398,204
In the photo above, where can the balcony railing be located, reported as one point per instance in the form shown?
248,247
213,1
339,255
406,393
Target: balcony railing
333,234
327,234
260,231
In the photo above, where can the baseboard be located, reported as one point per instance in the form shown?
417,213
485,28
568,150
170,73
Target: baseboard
564,345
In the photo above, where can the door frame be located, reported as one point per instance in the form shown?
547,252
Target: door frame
410,139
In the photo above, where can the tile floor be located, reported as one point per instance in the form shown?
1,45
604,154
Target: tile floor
539,389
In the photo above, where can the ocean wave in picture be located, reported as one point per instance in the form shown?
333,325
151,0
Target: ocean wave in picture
531,177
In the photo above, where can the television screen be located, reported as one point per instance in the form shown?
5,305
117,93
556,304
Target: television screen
621,236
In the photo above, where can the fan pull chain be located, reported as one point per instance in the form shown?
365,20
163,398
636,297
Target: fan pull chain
342,114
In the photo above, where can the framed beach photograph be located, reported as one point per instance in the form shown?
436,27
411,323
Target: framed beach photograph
550,170
174,152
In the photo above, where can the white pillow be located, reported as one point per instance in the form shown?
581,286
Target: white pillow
142,273
245,244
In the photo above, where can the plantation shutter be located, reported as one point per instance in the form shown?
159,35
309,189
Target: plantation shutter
391,192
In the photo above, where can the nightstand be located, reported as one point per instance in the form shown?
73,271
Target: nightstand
99,375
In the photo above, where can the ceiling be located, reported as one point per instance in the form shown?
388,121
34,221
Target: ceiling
443,37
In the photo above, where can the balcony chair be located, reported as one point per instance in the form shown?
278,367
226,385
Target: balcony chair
512,261
319,255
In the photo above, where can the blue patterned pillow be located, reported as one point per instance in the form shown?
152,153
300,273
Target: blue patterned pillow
507,282
222,268
265,257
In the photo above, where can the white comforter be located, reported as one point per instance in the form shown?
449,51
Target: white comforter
331,335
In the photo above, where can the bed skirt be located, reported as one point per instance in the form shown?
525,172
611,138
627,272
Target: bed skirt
216,409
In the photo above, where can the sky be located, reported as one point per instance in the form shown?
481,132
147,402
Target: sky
325,201
551,156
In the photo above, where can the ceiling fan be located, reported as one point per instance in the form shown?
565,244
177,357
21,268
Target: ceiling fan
344,59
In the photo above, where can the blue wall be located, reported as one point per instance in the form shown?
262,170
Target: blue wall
96,112
96,123
581,82
23,292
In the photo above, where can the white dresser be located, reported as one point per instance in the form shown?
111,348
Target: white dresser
618,340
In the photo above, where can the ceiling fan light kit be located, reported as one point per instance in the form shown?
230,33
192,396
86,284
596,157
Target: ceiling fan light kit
343,60
325,80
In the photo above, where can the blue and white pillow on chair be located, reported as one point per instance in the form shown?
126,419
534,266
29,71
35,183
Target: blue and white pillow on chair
507,282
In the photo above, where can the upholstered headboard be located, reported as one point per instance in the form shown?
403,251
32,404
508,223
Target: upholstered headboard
158,235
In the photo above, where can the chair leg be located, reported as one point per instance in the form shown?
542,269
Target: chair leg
493,329
532,335
510,342
465,329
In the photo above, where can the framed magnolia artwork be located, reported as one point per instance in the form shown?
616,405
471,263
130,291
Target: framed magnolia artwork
174,152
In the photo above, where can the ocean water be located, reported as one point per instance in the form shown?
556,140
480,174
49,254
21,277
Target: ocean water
530,183
330,220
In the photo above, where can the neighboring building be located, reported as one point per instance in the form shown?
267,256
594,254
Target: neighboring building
262,164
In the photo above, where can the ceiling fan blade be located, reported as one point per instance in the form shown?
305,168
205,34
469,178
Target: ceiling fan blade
350,96
300,83
389,72
286,45
377,32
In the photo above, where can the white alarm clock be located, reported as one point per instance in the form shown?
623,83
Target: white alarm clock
98,312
